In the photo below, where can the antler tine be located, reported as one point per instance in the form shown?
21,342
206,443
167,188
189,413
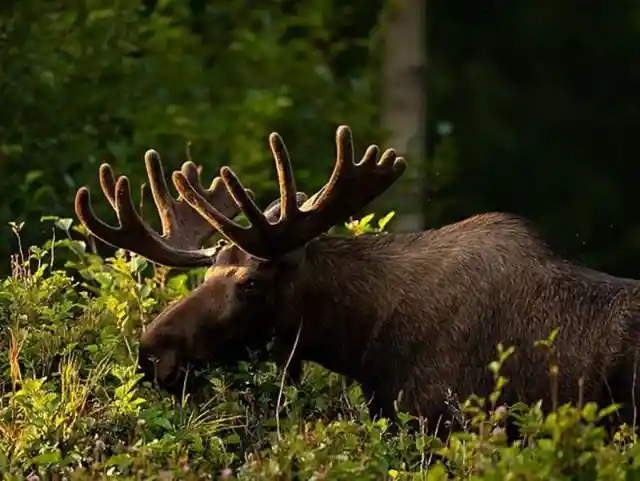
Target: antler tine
353,185
350,187
159,190
273,211
286,179
227,227
251,240
132,233
182,226
108,183
183,229
289,201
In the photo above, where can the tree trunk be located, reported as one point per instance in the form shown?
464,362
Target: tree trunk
404,108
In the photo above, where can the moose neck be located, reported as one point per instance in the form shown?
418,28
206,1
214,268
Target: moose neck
347,288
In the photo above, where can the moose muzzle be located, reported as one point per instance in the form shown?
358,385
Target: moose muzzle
162,368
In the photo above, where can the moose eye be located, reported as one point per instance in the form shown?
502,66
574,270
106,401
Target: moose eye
251,284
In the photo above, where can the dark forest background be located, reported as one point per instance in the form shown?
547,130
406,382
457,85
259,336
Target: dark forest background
532,107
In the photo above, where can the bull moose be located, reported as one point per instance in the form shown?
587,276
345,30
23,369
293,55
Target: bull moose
419,313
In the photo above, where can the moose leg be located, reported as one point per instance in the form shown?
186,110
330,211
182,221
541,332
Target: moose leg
382,405
293,374
285,359
378,405
623,388
294,371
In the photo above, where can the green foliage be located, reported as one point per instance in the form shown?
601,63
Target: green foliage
96,81
363,226
73,406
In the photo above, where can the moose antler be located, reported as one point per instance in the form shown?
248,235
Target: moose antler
350,187
183,229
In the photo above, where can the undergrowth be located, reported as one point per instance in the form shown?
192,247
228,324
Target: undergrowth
73,407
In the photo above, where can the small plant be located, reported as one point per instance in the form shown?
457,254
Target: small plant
363,226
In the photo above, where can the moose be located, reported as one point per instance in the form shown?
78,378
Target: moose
411,317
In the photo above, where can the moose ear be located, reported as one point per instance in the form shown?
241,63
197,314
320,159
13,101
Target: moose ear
272,212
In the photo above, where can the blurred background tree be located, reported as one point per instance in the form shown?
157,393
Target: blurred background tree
534,108
531,107
93,81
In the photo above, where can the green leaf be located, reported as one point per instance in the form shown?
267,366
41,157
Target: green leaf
604,412
589,412
32,176
121,460
494,367
382,223
48,457
138,264
64,224
233,439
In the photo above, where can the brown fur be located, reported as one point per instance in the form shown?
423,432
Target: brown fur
422,313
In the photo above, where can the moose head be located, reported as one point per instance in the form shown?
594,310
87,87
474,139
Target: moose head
260,282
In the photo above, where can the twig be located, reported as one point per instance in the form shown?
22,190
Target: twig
284,373
633,391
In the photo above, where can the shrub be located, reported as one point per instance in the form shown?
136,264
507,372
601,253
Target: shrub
73,406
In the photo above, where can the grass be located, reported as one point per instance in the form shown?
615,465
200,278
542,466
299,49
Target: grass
73,407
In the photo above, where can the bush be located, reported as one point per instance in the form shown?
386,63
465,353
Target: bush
73,407
98,81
